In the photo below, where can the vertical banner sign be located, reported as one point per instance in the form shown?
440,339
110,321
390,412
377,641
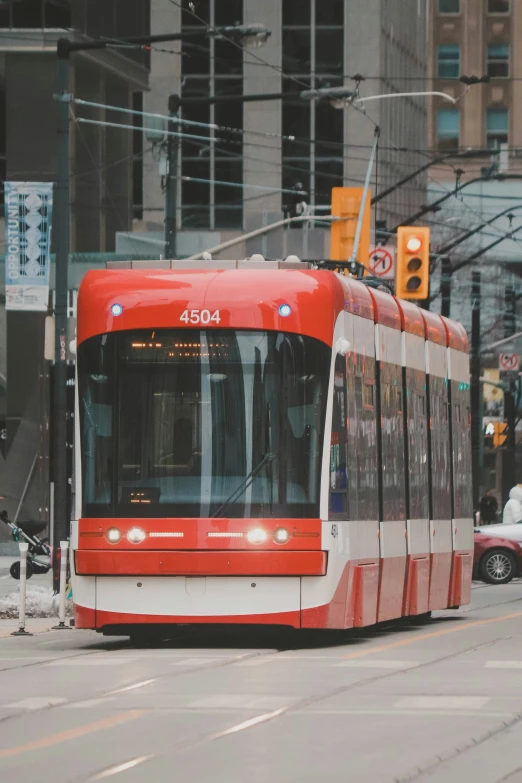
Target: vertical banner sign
28,215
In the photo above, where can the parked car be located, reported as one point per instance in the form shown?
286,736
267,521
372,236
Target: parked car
513,532
497,560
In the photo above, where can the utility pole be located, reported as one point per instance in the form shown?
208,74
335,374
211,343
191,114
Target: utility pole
445,287
61,222
508,461
171,189
476,423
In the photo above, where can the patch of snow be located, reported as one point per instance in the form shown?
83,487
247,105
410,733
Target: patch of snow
40,602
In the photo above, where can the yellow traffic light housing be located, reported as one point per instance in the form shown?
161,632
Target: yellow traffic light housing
346,203
413,262
500,434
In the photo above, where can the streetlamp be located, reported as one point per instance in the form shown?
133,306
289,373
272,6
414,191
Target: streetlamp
253,34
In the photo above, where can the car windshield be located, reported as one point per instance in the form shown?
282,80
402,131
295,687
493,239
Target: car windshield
178,423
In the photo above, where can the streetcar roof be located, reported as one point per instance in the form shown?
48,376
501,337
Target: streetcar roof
248,296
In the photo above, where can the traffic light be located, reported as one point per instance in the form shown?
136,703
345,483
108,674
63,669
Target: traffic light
500,436
346,203
495,434
413,262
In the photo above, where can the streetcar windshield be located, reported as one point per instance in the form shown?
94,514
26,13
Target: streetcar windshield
190,423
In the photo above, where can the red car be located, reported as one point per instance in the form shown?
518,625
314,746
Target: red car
497,560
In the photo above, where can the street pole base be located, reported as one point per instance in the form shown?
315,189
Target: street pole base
21,632
61,627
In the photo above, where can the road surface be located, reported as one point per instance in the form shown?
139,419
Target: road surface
440,701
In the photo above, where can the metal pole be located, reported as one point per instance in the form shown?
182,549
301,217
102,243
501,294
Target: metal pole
358,230
60,528
64,547
476,424
171,190
445,287
509,452
23,590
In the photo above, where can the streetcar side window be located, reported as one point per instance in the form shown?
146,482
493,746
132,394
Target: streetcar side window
338,472
440,449
362,439
417,433
392,442
463,507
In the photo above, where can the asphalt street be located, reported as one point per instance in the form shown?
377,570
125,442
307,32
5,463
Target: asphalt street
433,701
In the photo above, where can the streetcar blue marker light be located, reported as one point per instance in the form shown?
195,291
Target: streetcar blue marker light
116,309
285,310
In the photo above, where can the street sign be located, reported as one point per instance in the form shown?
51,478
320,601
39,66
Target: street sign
509,362
382,262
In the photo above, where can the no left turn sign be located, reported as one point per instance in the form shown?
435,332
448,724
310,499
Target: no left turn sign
508,362
382,262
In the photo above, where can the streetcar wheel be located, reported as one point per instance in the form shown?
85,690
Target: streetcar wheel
15,569
497,567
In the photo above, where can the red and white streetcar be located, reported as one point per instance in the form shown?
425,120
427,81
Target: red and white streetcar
275,445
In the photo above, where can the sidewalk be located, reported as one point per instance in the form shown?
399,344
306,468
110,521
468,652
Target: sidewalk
33,625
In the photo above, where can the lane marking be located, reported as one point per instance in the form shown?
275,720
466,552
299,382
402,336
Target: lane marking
79,705
85,660
255,661
310,701
133,687
106,773
239,701
72,734
503,665
377,663
195,661
36,703
442,702
433,635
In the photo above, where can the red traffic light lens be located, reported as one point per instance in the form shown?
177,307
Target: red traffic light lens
413,245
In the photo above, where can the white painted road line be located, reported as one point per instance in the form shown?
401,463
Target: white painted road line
85,705
373,663
254,661
197,661
84,660
134,687
503,665
120,768
442,702
36,703
240,701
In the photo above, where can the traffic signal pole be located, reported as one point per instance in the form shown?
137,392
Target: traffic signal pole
171,189
475,391
445,287
509,454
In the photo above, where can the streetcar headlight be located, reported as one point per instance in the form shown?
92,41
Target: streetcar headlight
257,536
113,535
281,535
136,535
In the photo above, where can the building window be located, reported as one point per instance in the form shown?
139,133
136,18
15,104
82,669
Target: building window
313,55
498,6
449,61
498,60
35,14
497,127
448,129
211,188
449,6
